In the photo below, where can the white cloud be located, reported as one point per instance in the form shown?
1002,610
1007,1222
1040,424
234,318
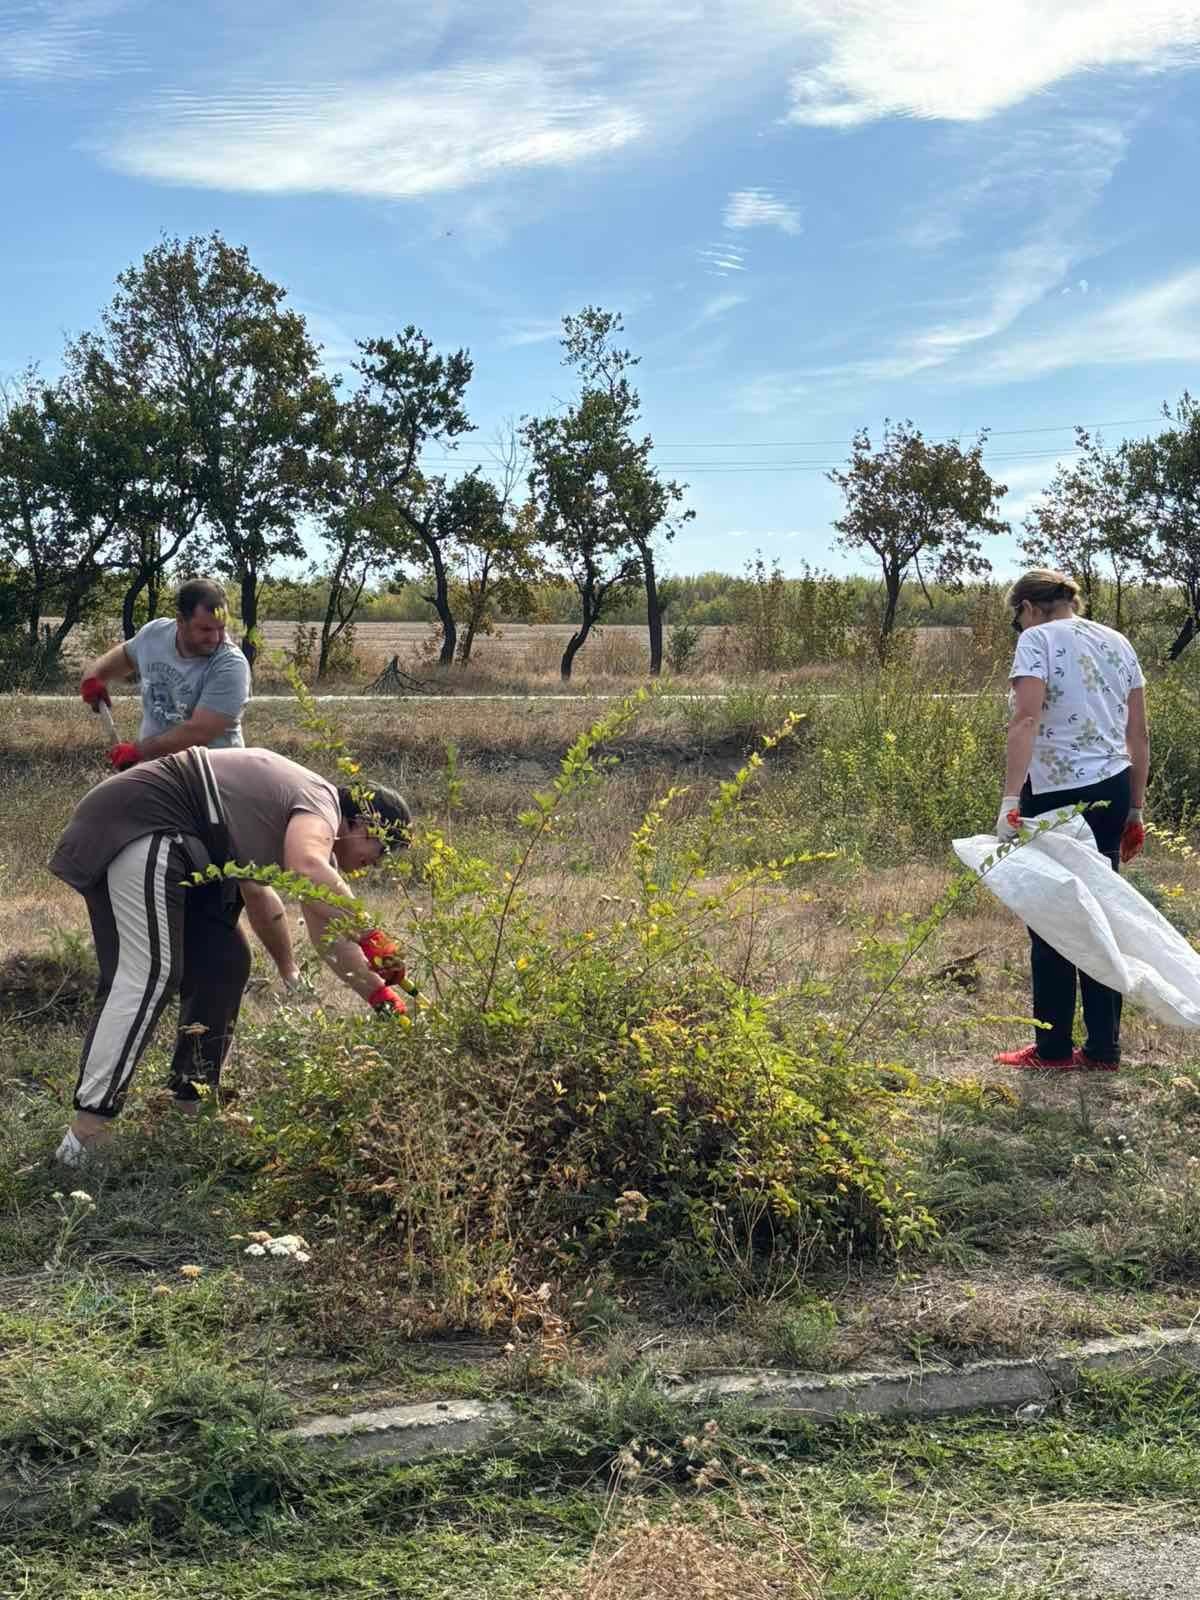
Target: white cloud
44,40
964,60
533,330
409,136
457,95
719,304
1075,162
758,208
721,259
1160,322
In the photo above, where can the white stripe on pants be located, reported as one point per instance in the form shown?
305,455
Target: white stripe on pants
146,958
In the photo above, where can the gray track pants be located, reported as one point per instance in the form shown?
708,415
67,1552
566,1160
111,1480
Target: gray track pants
155,939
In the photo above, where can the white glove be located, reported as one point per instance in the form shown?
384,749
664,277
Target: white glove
1005,831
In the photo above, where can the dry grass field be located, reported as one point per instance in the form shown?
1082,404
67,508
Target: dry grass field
1066,1208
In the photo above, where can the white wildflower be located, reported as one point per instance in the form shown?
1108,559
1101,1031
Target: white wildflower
83,1197
254,1250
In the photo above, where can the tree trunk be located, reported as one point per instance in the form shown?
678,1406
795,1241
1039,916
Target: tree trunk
1182,639
440,601
331,611
590,611
574,645
887,623
654,612
129,604
248,584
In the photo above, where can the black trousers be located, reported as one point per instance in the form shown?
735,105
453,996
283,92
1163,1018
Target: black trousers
1054,978
156,939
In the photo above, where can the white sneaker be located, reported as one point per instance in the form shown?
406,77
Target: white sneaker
71,1152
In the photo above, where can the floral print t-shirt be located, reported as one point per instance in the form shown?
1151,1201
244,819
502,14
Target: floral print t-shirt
1089,672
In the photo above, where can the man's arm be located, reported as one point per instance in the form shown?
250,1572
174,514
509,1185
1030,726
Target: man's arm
1137,742
113,664
307,847
266,915
202,727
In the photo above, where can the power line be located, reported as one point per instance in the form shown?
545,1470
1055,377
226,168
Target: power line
758,468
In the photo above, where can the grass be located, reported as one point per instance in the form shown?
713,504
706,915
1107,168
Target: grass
141,1402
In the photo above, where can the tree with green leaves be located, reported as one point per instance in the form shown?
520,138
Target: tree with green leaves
1086,525
203,335
414,398
643,502
499,564
581,463
359,522
67,489
164,499
1164,485
917,504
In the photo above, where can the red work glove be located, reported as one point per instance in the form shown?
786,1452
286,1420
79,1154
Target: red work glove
1133,836
95,691
124,755
383,955
385,999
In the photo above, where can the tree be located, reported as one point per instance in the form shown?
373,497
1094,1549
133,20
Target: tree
414,398
1085,523
66,489
161,457
642,500
497,555
202,334
1164,485
358,517
912,501
581,463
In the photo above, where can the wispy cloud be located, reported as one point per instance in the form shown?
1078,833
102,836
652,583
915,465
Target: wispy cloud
456,95
1076,167
46,40
758,208
722,259
531,330
719,304
964,60
413,135
1159,322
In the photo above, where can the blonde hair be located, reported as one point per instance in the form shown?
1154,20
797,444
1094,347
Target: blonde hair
1043,588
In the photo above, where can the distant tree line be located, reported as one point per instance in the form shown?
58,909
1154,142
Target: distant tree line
196,429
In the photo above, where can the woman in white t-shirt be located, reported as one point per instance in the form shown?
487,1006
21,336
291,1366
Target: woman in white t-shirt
1077,734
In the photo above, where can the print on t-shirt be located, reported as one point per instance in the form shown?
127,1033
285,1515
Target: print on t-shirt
1089,672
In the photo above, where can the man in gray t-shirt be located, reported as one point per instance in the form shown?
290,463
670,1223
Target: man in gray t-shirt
195,684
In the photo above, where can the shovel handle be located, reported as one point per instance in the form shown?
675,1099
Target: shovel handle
106,718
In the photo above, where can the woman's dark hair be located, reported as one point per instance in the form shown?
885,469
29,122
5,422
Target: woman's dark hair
1042,587
387,814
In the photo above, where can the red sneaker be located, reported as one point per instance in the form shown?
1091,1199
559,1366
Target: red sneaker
1031,1060
1087,1063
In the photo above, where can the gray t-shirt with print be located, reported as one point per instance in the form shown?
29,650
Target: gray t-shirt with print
173,686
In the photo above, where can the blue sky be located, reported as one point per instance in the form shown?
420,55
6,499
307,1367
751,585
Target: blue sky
812,213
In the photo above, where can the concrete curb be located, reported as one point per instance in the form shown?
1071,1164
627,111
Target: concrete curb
452,1427
410,1433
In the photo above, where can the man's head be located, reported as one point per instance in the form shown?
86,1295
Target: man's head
375,820
201,612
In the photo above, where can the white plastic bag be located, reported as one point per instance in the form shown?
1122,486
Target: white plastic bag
1064,889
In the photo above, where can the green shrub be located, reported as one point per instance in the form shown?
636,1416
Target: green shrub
569,1097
